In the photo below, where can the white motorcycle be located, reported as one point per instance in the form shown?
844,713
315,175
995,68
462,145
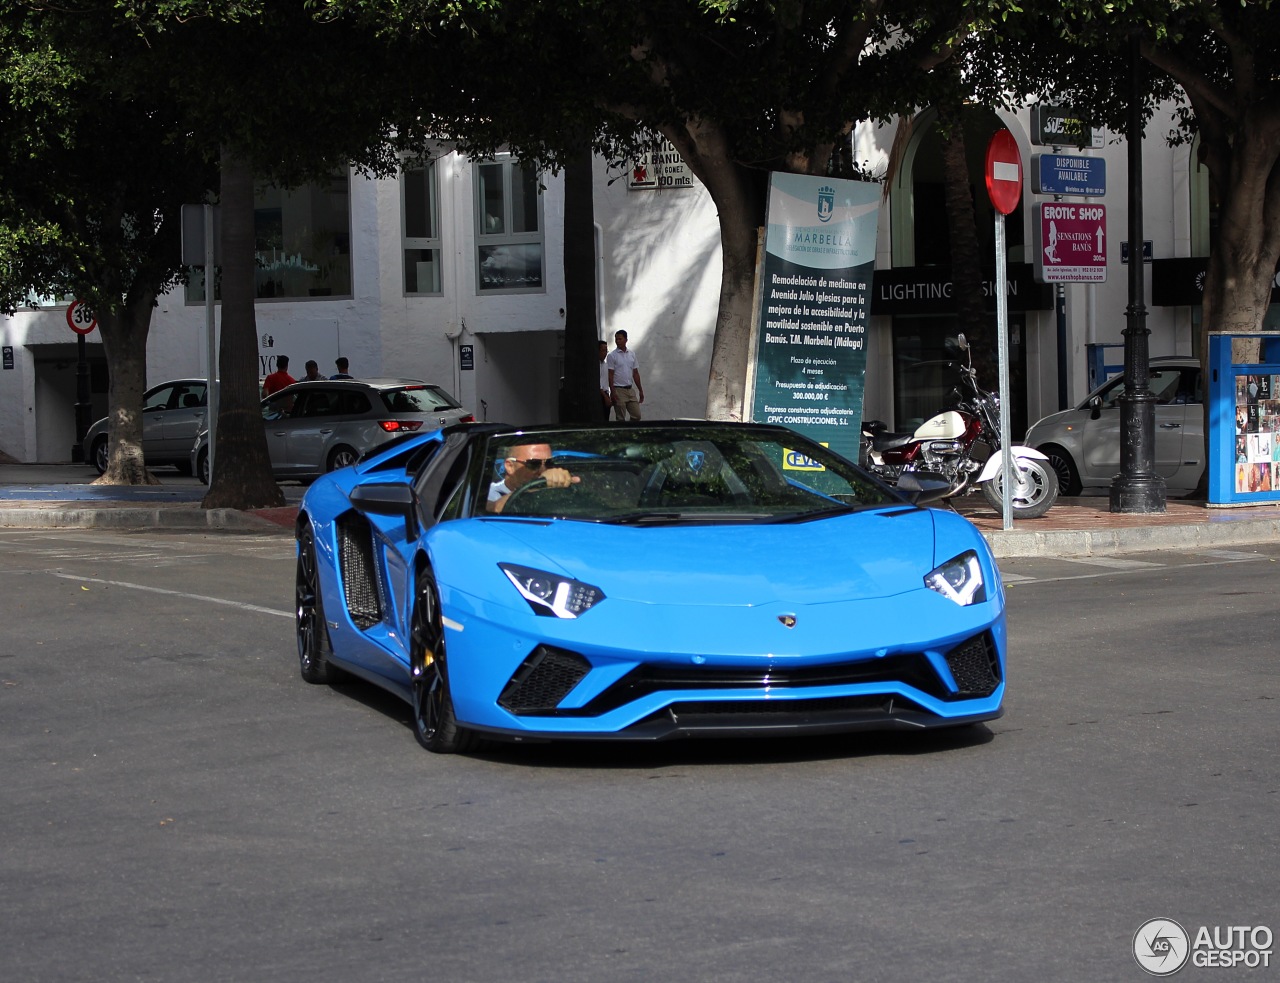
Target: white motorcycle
960,446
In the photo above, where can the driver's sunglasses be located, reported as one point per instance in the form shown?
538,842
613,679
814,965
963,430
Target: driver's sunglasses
534,463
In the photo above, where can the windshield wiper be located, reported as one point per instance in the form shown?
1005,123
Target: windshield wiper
815,514
672,518
643,518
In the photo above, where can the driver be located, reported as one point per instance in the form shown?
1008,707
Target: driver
525,463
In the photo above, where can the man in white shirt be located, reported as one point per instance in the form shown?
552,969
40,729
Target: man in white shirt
624,379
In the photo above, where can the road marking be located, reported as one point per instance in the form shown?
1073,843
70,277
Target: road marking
1117,569
1114,562
1227,554
176,593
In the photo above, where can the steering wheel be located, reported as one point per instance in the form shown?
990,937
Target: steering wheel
534,484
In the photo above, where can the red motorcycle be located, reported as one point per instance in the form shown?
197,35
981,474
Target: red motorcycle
959,445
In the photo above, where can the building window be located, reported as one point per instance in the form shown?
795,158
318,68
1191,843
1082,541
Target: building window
508,227
302,242
420,209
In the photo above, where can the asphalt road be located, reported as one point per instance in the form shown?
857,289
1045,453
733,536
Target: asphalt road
177,805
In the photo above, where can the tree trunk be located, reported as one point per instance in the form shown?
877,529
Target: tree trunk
740,204
580,395
242,469
124,341
962,232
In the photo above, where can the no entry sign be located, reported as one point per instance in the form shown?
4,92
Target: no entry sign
1004,172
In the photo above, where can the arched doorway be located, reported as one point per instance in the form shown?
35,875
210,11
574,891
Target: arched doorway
925,280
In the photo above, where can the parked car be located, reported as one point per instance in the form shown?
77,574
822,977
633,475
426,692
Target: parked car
172,415
652,581
317,427
1083,444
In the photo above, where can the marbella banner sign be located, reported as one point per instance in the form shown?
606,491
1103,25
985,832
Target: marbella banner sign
810,351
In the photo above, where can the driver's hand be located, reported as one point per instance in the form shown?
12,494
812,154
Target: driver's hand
559,478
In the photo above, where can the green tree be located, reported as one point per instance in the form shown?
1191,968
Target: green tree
740,87
90,191
1217,59
282,98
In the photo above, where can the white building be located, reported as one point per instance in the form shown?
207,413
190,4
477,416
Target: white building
409,276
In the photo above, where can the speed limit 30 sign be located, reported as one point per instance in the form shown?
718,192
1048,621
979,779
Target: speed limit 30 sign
80,319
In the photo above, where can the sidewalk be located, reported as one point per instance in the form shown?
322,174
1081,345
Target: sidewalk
60,496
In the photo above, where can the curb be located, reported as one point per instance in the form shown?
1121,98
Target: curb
1132,539
141,517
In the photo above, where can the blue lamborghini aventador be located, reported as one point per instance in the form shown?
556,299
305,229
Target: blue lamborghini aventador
642,582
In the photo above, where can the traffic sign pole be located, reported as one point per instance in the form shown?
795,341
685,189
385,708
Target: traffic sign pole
1004,186
81,321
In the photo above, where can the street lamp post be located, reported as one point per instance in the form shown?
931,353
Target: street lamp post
1137,488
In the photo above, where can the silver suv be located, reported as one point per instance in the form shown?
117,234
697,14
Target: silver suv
316,427
1083,444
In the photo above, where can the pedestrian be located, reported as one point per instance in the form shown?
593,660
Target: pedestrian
606,398
625,388
278,379
313,371
341,363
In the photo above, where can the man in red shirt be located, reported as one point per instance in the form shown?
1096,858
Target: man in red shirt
278,379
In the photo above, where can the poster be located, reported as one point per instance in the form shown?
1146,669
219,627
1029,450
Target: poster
1257,433
811,337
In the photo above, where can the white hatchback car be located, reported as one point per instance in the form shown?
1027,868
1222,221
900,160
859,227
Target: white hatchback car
1083,444
316,427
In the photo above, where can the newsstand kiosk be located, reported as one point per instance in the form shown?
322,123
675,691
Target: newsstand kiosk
1244,423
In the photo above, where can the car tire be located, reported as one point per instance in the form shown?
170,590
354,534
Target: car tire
99,455
309,624
202,466
1041,490
1065,468
341,456
434,723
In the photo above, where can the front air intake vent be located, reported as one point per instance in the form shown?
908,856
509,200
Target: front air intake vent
975,667
543,680
360,582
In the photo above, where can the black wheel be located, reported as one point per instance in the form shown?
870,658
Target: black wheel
1064,468
342,456
1035,488
202,466
313,635
434,723
99,455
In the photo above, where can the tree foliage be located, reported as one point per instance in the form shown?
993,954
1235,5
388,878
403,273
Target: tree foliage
94,176
1216,59
740,87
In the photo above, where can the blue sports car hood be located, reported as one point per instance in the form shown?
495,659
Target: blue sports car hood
861,555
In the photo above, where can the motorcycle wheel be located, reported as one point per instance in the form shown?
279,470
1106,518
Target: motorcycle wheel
1035,488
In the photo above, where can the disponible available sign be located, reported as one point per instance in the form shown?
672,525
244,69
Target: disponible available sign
1071,243
810,345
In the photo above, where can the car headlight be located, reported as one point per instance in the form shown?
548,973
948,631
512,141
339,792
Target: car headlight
551,594
959,579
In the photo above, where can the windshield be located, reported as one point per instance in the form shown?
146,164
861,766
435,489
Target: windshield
417,399
664,474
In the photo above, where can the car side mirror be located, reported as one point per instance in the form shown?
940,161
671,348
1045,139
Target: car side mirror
392,499
1095,407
